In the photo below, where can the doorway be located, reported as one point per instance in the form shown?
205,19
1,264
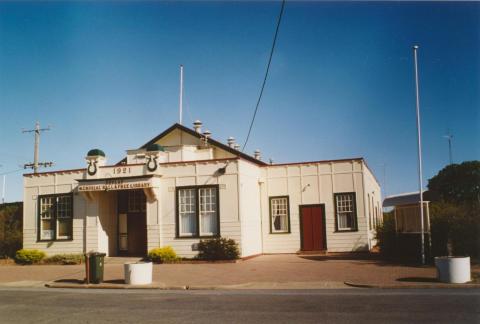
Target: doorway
132,223
312,228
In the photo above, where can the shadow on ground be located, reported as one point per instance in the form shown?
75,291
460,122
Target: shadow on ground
82,281
418,279
367,258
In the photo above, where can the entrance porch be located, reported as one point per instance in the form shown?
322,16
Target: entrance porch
116,223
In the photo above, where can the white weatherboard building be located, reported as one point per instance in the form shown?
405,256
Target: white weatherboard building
183,186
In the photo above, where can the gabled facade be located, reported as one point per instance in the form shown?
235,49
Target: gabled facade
183,186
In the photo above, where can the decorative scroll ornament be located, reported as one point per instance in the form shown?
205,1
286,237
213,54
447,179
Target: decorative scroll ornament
152,163
92,168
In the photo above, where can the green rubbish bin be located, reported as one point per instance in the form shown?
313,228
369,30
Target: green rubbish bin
94,262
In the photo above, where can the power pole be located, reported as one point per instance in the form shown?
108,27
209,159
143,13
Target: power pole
35,165
449,137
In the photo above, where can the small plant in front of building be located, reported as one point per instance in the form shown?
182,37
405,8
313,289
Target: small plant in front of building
65,259
25,256
163,255
218,249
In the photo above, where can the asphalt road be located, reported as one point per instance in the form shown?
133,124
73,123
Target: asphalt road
308,306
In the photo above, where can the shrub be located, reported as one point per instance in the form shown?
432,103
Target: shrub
65,259
11,244
29,256
455,229
161,255
10,229
218,249
386,237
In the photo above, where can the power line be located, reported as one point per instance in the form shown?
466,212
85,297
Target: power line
13,171
266,75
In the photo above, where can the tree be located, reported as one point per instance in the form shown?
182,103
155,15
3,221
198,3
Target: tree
455,209
457,183
10,229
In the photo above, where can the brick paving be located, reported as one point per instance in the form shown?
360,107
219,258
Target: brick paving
286,270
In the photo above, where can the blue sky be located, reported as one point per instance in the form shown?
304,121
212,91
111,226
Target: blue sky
341,82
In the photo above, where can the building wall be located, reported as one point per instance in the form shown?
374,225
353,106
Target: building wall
45,185
193,174
314,183
249,208
372,198
107,223
244,192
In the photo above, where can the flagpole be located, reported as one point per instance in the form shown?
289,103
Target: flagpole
180,108
419,142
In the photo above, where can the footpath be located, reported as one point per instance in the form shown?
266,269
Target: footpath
287,271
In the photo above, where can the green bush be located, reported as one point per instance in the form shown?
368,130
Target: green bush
29,256
161,255
218,249
386,237
455,229
65,259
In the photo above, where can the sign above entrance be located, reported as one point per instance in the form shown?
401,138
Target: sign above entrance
115,184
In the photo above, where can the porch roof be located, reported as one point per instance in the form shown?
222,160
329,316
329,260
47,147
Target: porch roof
403,199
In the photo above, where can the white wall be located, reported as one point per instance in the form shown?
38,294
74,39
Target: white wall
314,183
192,174
46,184
249,207
372,198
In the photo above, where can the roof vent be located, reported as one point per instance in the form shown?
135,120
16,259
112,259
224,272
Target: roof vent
236,146
231,141
257,155
207,134
197,126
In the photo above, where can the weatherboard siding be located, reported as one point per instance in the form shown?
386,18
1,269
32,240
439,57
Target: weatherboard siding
314,183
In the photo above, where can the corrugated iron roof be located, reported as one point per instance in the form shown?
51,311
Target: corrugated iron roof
403,199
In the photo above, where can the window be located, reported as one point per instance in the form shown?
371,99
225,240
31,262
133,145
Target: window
55,217
345,211
279,215
136,201
369,212
197,211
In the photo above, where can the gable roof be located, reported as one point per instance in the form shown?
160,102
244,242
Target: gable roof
198,135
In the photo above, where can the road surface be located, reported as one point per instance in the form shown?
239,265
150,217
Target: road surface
43,305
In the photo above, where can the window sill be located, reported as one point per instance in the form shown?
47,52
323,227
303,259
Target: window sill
196,237
346,231
59,240
276,233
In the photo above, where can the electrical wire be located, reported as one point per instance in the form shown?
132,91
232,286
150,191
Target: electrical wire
266,75
13,171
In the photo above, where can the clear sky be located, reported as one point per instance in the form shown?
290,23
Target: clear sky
341,83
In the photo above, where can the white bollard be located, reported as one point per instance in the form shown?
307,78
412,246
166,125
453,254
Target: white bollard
453,269
138,273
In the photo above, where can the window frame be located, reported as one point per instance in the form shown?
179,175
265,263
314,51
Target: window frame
355,213
197,212
288,231
55,217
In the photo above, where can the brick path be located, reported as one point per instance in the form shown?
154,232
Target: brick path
268,270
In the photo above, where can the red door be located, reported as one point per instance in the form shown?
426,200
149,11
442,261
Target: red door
313,228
